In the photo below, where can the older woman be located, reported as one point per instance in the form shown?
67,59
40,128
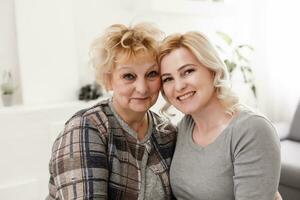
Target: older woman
117,149
224,151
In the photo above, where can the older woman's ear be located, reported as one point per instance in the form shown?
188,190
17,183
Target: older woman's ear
107,78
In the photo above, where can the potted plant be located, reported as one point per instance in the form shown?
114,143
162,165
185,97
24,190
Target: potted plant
7,88
90,92
238,62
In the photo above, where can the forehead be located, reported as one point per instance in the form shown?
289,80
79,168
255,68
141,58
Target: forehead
178,58
137,61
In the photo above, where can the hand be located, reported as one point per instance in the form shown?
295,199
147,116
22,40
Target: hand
278,196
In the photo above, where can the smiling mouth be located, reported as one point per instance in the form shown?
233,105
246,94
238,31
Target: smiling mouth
140,98
185,96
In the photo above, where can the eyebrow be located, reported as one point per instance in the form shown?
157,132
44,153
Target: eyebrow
149,67
152,66
179,69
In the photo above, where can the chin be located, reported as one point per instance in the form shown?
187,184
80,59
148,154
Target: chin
186,111
137,108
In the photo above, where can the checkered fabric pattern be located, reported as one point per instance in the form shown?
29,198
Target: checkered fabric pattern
95,158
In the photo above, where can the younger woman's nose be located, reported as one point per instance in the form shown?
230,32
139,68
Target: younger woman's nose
179,85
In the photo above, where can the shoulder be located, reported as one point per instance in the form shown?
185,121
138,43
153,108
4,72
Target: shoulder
93,116
185,123
253,128
249,121
94,120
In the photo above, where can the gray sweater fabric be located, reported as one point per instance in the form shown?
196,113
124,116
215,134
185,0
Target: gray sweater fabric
243,163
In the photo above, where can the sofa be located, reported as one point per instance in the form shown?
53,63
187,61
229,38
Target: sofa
289,186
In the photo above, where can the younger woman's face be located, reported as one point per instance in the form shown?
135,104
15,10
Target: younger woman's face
135,84
187,84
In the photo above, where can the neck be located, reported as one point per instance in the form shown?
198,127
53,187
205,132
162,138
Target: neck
211,116
138,121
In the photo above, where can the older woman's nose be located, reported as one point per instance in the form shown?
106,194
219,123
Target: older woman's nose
141,86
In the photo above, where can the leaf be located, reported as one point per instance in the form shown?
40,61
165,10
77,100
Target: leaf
240,56
230,65
244,75
248,68
253,88
225,37
245,46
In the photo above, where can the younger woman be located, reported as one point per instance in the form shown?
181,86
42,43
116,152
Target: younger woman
223,151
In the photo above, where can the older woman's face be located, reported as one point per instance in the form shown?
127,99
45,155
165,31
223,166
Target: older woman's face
135,84
187,84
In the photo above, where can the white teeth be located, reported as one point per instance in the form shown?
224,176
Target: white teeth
183,97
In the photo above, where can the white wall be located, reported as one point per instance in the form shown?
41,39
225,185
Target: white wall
8,45
283,68
27,134
48,67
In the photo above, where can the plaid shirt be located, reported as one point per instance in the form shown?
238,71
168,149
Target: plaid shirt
95,158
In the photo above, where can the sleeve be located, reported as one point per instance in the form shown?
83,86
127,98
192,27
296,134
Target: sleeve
256,160
78,166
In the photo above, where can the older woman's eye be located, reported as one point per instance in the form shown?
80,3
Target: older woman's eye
152,74
128,77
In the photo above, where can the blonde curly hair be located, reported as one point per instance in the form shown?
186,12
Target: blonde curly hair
120,42
199,45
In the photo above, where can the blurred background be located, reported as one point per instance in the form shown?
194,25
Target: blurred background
44,66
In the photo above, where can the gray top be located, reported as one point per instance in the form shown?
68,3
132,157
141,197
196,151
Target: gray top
151,187
243,163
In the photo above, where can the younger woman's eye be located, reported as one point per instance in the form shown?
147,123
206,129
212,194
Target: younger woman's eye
128,77
188,71
152,74
167,79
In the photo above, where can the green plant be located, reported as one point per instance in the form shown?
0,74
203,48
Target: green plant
90,92
237,58
7,87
